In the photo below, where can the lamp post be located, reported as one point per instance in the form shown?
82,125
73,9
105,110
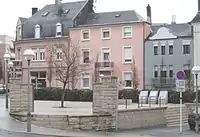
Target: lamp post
196,71
6,58
29,55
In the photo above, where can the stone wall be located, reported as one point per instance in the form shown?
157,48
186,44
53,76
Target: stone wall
141,118
64,122
19,97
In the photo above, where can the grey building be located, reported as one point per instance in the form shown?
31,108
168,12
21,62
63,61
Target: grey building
168,49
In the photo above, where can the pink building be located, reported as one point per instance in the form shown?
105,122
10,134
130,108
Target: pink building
113,41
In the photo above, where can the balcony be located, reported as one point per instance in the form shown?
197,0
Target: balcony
104,66
164,82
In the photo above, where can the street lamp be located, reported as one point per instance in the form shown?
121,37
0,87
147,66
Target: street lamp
29,55
196,71
6,58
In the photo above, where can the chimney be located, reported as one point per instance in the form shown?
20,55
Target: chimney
149,19
173,19
34,10
198,5
57,2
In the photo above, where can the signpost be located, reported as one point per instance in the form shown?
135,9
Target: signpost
180,87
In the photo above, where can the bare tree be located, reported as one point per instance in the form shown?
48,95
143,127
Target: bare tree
67,65
135,78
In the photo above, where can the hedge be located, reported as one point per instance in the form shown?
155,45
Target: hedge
87,95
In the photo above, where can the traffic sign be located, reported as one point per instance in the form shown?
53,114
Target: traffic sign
180,75
180,85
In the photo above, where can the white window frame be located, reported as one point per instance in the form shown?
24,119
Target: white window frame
82,51
37,53
123,31
123,53
59,51
102,54
82,83
37,31
85,30
105,30
58,29
41,50
123,78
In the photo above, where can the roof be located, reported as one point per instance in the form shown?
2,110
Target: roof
115,17
179,30
22,19
196,18
48,22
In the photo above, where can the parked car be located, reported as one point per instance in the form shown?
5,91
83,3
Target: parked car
192,119
2,89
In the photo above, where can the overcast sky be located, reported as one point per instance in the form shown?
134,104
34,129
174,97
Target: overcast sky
162,10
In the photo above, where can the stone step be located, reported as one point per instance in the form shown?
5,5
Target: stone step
176,114
176,123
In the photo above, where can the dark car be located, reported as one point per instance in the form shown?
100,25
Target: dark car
192,119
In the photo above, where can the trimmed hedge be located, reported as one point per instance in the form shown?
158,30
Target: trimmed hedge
87,95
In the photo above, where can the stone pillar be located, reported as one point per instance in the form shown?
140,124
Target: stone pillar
19,96
105,99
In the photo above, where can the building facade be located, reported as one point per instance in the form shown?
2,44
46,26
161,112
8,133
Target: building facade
111,43
196,36
46,28
6,45
115,41
168,49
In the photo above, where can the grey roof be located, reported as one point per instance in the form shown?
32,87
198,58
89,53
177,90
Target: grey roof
48,23
180,30
196,18
103,18
22,19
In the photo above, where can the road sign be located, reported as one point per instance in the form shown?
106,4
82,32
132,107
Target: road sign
180,75
180,85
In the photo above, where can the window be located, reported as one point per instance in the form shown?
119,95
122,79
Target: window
127,31
127,79
36,54
37,31
162,50
58,29
186,49
19,31
105,33
163,74
59,54
86,80
86,54
155,71
41,54
85,35
38,79
127,54
171,73
155,50
170,49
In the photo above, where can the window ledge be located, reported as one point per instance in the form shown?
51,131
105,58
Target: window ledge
36,61
127,37
127,63
85,40
106,38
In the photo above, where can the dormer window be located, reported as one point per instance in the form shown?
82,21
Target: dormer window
58,29
37,31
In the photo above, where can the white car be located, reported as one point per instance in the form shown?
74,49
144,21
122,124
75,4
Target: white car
2,89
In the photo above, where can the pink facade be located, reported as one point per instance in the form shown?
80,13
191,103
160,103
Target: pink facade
115,44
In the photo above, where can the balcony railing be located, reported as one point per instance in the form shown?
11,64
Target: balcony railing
104,66
164,81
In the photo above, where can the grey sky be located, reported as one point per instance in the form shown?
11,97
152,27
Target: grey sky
162,10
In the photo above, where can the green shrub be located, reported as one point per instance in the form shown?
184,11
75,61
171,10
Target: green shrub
87,95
